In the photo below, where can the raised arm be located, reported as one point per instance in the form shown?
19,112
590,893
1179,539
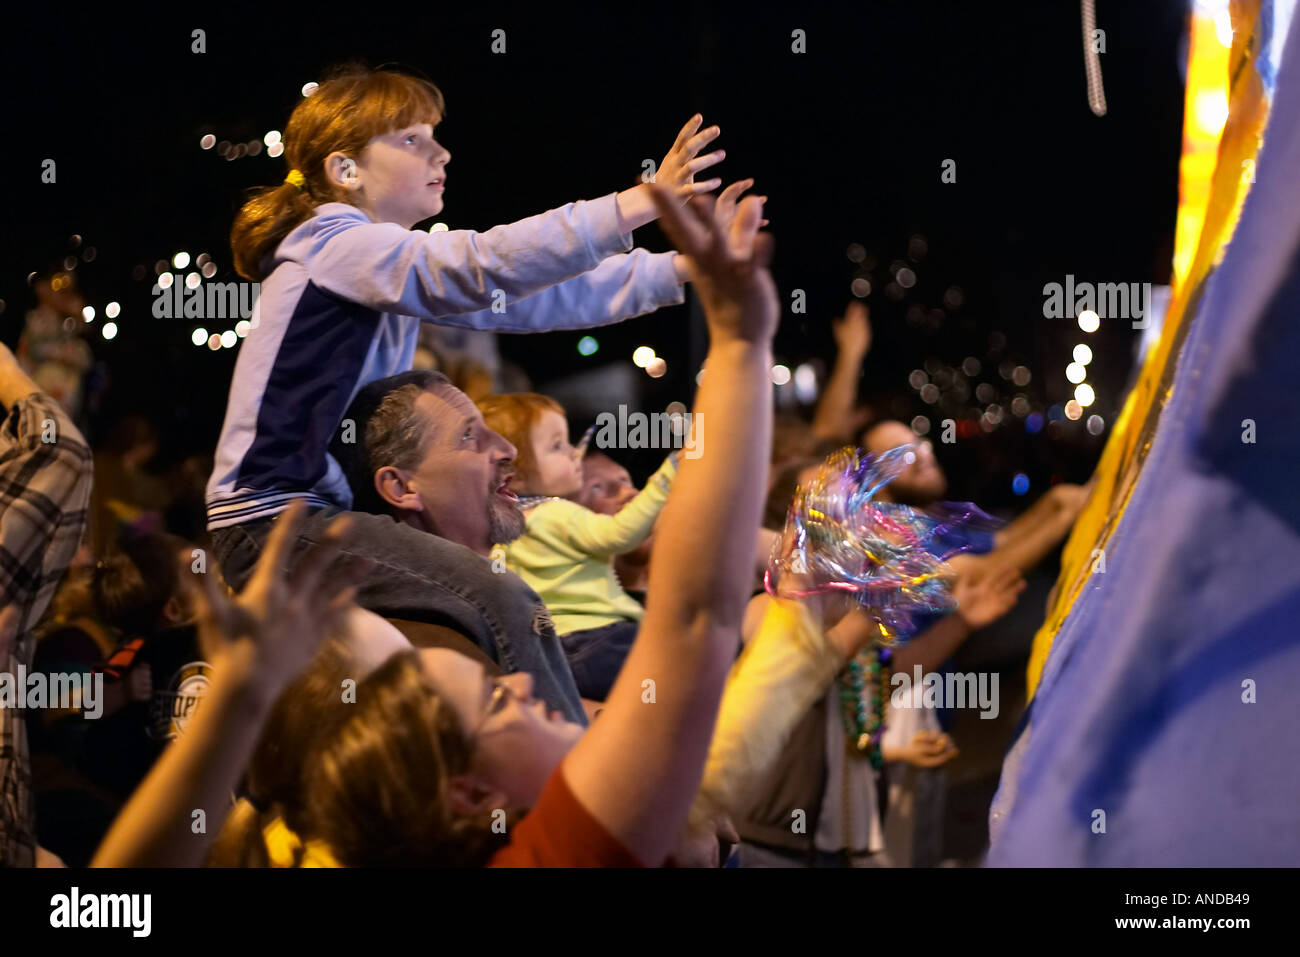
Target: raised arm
666,697
430,275
1031,537
621,287
852,341
256,644
609,535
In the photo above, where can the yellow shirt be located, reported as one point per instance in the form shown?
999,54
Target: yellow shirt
567,555
785,667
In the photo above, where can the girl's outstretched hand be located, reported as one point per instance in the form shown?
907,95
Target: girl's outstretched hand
677,171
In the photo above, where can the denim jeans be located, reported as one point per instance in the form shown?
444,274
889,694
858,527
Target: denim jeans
421,577
596,656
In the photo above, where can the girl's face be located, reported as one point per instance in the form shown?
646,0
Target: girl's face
517,743
558,467
401,176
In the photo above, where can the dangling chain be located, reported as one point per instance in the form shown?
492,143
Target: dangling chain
862,702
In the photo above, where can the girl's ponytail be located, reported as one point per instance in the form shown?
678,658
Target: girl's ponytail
269,215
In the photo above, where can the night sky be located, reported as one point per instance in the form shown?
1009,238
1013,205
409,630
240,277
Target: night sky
846,139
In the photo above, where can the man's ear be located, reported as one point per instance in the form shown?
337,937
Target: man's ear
394,489
470,798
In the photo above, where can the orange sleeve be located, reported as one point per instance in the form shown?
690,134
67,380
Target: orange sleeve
560,832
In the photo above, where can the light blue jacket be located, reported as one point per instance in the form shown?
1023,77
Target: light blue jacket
341,307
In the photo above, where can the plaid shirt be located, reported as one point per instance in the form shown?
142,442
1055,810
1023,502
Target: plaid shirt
45,476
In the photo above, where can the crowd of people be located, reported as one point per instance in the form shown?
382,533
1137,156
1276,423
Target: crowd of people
419,626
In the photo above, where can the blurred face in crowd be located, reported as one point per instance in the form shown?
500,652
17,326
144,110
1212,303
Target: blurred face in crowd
459,490
61,295
558,467
606,485
517,743
923,482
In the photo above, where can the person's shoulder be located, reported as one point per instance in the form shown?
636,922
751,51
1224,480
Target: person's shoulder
337,212
422,634
304,240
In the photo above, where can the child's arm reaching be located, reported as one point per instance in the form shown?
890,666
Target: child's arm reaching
605,536
431,275
621,287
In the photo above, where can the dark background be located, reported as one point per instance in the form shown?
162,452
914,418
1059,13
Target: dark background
847,140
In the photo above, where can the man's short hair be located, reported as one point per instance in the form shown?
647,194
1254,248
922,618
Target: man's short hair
386,431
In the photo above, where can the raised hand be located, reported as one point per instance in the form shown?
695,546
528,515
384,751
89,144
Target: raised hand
725,209
728,268
268,633
852,331
983,599
677,171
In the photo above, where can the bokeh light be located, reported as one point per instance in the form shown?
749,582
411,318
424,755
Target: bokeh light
805,383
